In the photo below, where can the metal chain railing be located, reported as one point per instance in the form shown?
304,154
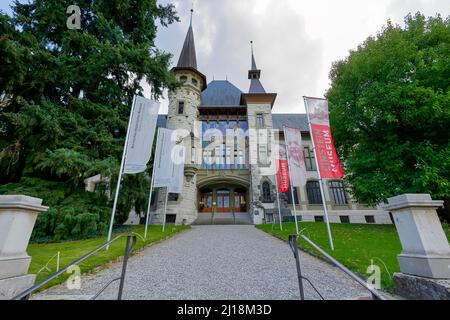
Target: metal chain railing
293,244
129,247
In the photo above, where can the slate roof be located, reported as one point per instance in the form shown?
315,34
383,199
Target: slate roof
221,93
188,58
293,120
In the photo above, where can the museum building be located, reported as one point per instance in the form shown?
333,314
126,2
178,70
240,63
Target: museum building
220,184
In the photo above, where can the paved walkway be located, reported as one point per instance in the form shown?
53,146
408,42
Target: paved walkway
219,262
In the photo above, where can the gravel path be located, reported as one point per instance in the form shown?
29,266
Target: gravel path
218,262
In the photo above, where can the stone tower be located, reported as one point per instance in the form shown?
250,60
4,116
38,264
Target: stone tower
183,117
259,115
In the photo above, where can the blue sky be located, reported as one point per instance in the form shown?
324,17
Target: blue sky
295,41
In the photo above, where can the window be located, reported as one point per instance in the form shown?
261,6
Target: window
194,82
193,150
183,79
310,162
260,120
171,218
295,195
338,192
263,155
370,219
318,218
173,197
344,219
313,191
266,192
181,107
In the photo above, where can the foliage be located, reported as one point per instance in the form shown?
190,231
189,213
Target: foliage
355,245
390,111
65,98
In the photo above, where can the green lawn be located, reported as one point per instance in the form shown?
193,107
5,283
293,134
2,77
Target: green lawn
356,245
70,251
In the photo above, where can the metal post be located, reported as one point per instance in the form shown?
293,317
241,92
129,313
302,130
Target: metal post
165,209
151,188
57,261
290,181
128,249
293,245
278,201
119,180
327,221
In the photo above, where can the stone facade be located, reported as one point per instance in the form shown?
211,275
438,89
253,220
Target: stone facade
225,189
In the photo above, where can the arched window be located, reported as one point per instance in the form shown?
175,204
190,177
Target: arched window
266,192
313,192
338,192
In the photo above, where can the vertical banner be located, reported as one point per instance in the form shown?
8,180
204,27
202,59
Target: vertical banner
282,169
297,170
141,134
163,164
177,177
328,162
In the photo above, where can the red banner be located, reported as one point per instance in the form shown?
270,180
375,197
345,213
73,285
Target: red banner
282,175
329,165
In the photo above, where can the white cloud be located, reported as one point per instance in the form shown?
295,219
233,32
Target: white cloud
295,41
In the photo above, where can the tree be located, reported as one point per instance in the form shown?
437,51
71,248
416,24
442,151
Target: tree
66,94
390,111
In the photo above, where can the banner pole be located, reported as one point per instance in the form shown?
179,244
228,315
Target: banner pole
119,180
290,180
325,210
165,209
151,188
278,201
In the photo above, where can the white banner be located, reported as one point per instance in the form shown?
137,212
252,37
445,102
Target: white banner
297,167
177,178
163,159
141,133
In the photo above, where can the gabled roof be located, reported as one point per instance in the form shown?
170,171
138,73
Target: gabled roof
221,93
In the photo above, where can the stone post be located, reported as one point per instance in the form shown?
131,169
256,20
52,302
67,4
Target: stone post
425,259
18,215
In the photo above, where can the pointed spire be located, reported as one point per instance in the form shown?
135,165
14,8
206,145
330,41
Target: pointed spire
254,74
188,57
253,58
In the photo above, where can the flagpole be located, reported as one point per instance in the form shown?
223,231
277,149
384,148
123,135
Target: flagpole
165,209
151,188
278,201
327,221
119,180
290,181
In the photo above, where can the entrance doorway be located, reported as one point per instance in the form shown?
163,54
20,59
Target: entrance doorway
224,200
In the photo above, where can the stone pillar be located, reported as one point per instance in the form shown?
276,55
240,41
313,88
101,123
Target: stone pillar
425,259
18,215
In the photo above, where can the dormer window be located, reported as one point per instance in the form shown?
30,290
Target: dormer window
183,79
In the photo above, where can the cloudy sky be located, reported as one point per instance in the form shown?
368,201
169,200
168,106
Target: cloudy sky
295,41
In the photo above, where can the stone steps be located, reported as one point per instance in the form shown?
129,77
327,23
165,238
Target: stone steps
223,219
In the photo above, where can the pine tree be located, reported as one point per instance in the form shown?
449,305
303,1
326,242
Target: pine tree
66,93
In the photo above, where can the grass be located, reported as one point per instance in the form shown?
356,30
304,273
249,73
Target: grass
45,254
356,245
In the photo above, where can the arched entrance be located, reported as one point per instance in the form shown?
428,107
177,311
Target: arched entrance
223,199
